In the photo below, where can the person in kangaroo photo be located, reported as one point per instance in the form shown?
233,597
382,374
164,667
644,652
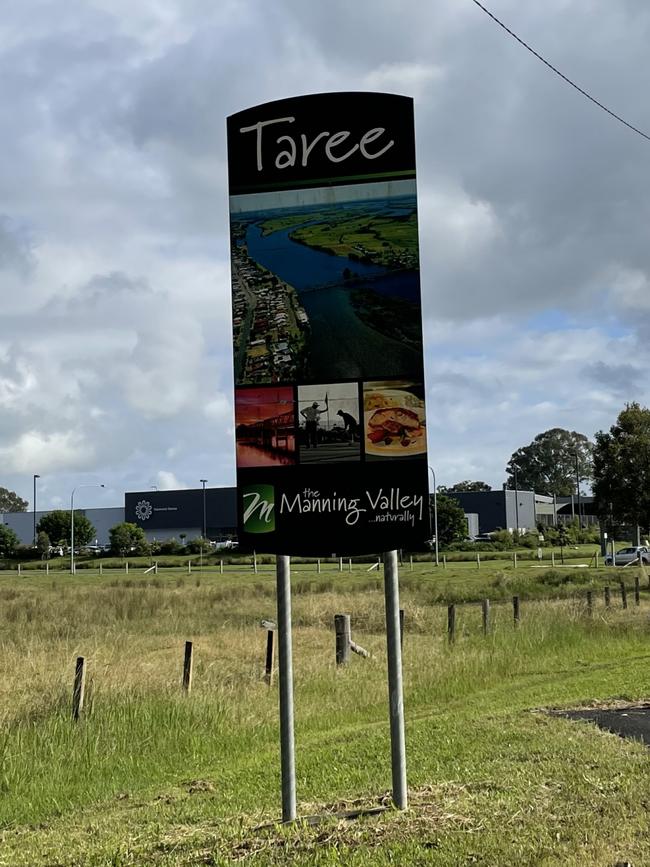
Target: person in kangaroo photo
350,424
312,415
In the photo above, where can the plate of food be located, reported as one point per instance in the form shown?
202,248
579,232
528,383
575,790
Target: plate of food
394,423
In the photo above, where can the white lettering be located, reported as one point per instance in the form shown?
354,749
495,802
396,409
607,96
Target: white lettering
371,136
337,139
307,149
257,127
286,158
258,504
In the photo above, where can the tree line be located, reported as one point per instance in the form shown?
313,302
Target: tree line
616,466
54,532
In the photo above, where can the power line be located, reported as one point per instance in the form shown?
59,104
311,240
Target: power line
557,72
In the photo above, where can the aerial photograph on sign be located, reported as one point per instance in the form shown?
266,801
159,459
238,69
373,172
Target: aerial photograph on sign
328,417
326,283
264,427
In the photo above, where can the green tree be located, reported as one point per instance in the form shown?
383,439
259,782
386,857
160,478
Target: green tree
8,541
127,536
57,526
11,502
43,544
452,523
464,487
622,468
547,465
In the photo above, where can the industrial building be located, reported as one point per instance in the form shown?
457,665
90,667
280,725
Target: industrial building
161,514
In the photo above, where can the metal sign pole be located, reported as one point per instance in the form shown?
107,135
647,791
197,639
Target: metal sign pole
285,661
396,702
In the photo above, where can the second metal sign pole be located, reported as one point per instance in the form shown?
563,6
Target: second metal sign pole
285,667
396,701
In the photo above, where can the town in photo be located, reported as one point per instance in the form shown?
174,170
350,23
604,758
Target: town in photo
326,283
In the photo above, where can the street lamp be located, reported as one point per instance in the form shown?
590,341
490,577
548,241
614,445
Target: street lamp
36,476
435,512
72,522
203,482
516,500
578,488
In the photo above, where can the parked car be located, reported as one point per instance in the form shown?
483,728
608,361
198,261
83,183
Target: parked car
225,545
629,555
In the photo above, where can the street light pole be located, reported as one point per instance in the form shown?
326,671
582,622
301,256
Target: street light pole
516,501
203,482
435,512
578,489
72,522
36,476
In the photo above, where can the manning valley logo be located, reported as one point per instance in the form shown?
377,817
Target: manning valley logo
143,510
259,508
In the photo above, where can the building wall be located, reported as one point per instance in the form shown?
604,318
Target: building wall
161,514
22,523
499,510
488,505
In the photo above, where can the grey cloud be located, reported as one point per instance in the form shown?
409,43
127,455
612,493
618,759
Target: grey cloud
625,380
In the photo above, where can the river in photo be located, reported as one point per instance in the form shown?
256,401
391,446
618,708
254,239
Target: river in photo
340,344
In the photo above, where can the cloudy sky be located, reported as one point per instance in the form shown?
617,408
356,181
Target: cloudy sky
115,359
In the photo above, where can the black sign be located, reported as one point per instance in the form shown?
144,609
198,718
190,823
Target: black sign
329,374
182,509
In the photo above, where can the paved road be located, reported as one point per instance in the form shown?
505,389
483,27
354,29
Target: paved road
628,722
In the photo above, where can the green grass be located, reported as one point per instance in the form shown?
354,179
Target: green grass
151,776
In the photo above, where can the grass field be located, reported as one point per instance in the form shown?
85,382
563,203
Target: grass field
152,776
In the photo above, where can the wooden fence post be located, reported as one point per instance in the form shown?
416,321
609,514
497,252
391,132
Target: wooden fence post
349,564
607,597
623,594
444,562
637,590
451,623
79,688
340,564
485,613
189,567
126,567
19,569
270,657
596,559
47,567
410,562
478,560
318,566
590,603
514,559
515,610
343,638
553,559
101,568
187,666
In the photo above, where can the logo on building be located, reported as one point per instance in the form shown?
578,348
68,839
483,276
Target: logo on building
144,510
259,508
